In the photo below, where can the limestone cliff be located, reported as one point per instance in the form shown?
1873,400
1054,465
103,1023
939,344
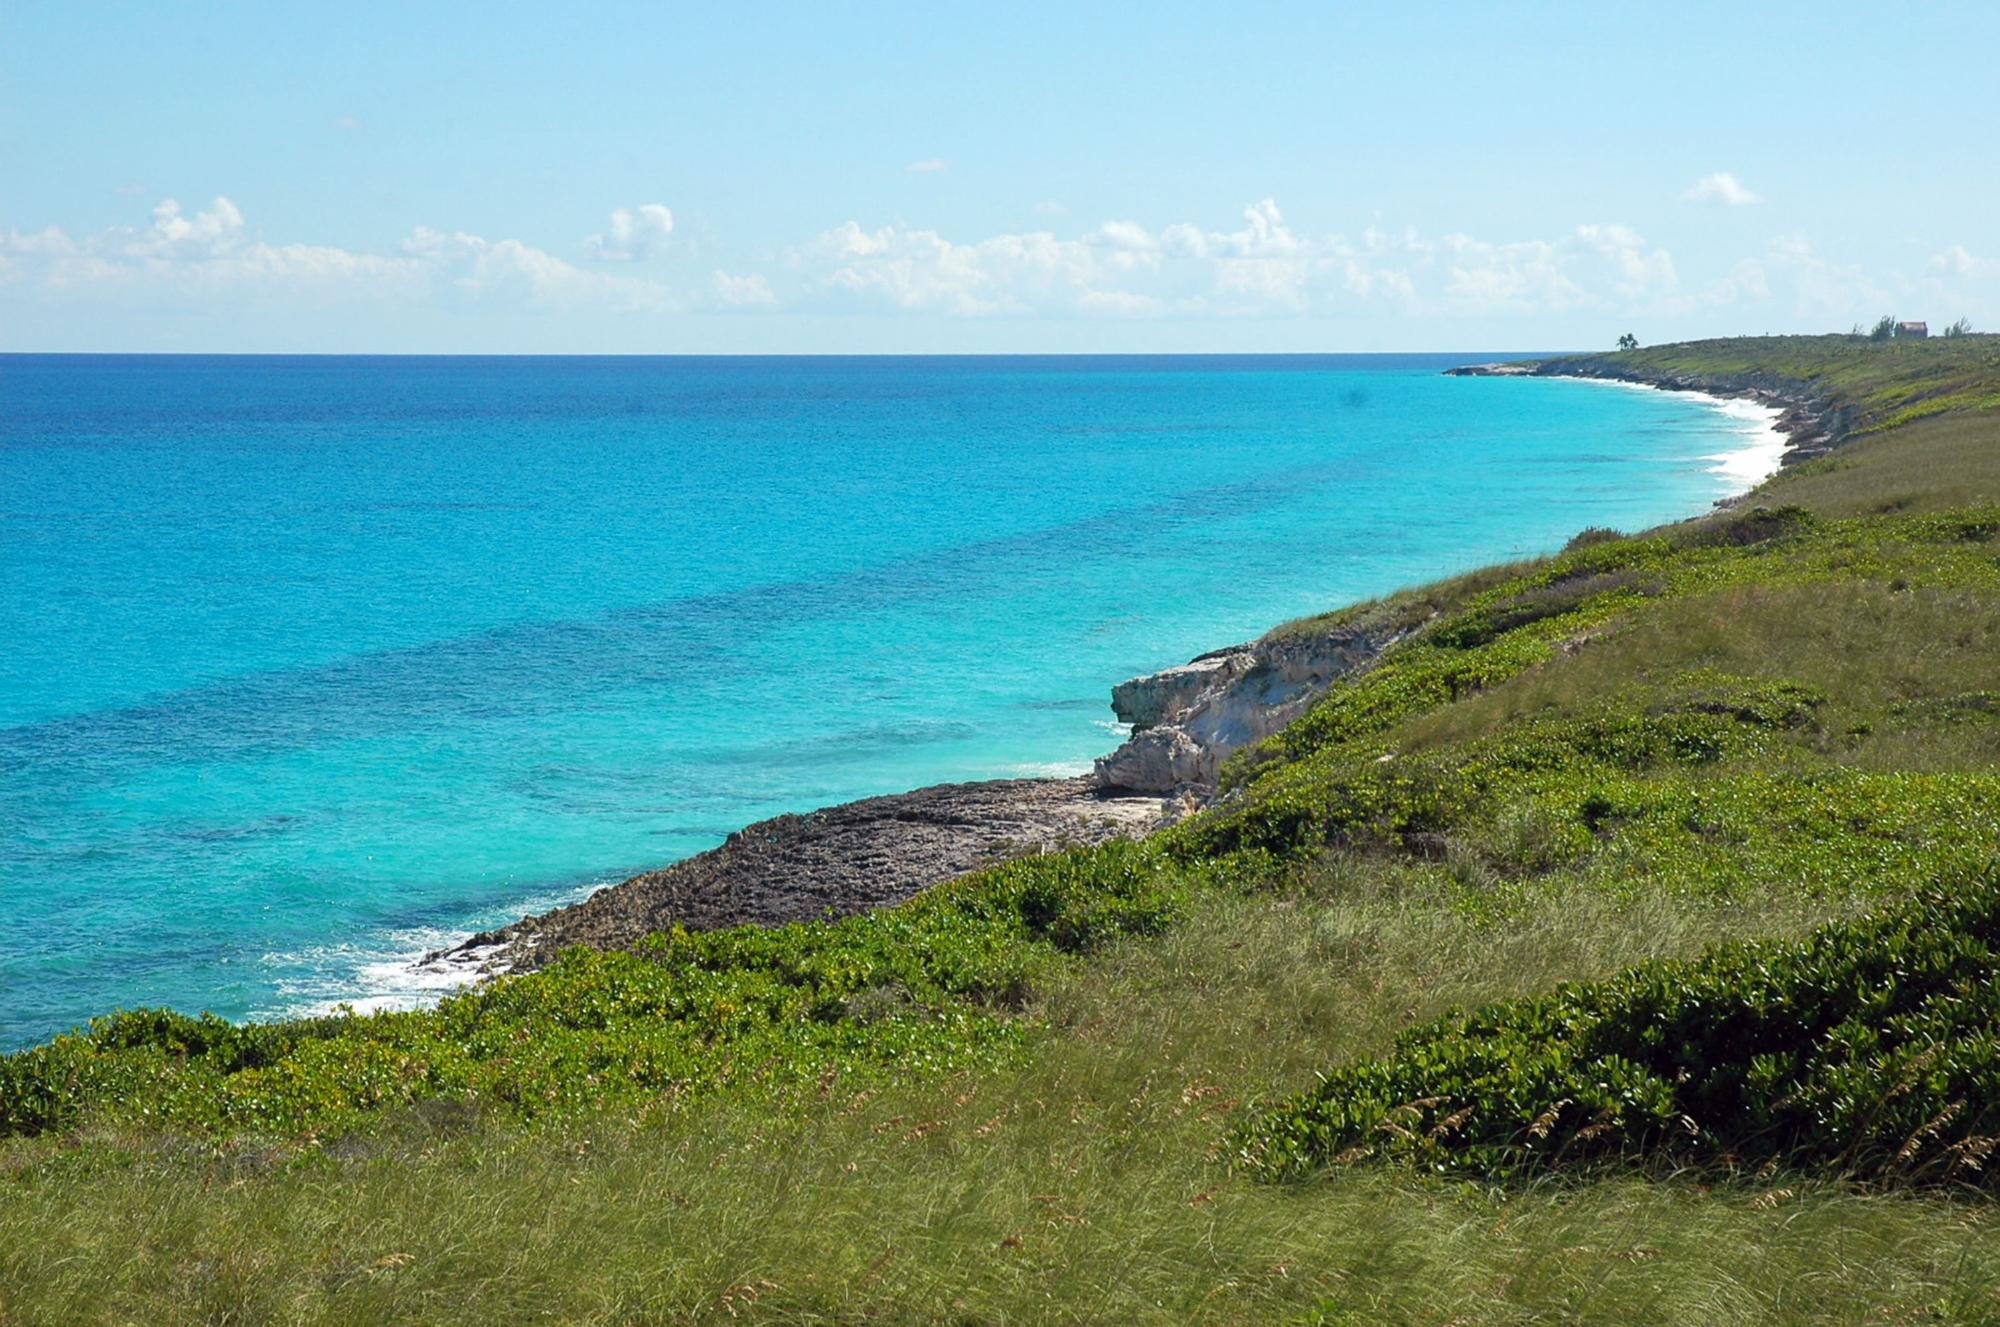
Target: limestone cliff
1188,719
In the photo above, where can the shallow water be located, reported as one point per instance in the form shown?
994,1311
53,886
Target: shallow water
311,664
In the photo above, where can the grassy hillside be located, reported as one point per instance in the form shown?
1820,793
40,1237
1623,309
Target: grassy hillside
1616,949
1892,382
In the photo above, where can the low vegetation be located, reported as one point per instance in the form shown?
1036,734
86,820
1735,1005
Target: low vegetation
1698,825
1891,380
1871,1049
927,987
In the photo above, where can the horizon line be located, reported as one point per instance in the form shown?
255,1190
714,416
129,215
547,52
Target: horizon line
761,354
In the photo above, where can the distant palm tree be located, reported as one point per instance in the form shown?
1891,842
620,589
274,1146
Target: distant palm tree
1628,342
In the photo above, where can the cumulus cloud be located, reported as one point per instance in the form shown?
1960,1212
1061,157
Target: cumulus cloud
1120,267
210,234
742,292
1811,287
1722,188
1957,261
928,165
49,241
1263,266
634,234
477,268
1595,268
211,253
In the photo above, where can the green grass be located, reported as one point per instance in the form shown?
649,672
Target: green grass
1892,382
1023,1097
1938,463
1086,1182
1870,1050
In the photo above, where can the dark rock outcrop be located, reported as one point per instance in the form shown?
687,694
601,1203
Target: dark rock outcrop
830,863
1186,721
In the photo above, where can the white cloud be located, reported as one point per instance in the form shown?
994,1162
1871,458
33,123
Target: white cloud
921,270
133,190
211,234
212,254
928,165
634,233
1816,288
1262,267
1642,272
1050,207
49,241
1748,282
1121,267
742,292
1721,187
1595,268
347,122
1957,261
472,267
1522,275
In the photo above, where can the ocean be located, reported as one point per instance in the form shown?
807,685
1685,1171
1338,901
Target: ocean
309,665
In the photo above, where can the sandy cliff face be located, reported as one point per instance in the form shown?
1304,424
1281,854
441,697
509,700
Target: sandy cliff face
1187,720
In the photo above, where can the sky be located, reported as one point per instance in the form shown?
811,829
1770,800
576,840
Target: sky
830,178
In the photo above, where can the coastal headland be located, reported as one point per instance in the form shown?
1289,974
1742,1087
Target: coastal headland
1611,935
1185,722
1813,419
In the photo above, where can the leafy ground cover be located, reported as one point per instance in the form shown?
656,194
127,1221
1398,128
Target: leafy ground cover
1698,823
1869,1049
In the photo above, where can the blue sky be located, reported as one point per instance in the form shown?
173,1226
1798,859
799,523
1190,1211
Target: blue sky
896,178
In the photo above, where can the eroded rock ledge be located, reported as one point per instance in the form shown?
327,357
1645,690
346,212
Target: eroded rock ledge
830,863
869,854
1187,720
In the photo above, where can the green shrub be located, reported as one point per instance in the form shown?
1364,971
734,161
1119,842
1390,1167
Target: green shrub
1594,534
1871,1048
933,984
1756,526
1357,796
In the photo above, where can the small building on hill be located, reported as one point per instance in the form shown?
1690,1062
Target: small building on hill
1917,330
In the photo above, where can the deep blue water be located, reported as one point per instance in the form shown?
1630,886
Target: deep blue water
309,664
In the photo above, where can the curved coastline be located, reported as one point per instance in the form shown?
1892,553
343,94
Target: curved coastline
1812,421
1760,457
875,852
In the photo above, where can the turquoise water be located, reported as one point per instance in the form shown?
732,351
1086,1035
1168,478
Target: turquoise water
308,665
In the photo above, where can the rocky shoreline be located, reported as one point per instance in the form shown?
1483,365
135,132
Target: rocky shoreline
1185,722
833,862
872,853
1813,422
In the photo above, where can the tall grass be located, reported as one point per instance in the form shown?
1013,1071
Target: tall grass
1086,1184
1740,727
